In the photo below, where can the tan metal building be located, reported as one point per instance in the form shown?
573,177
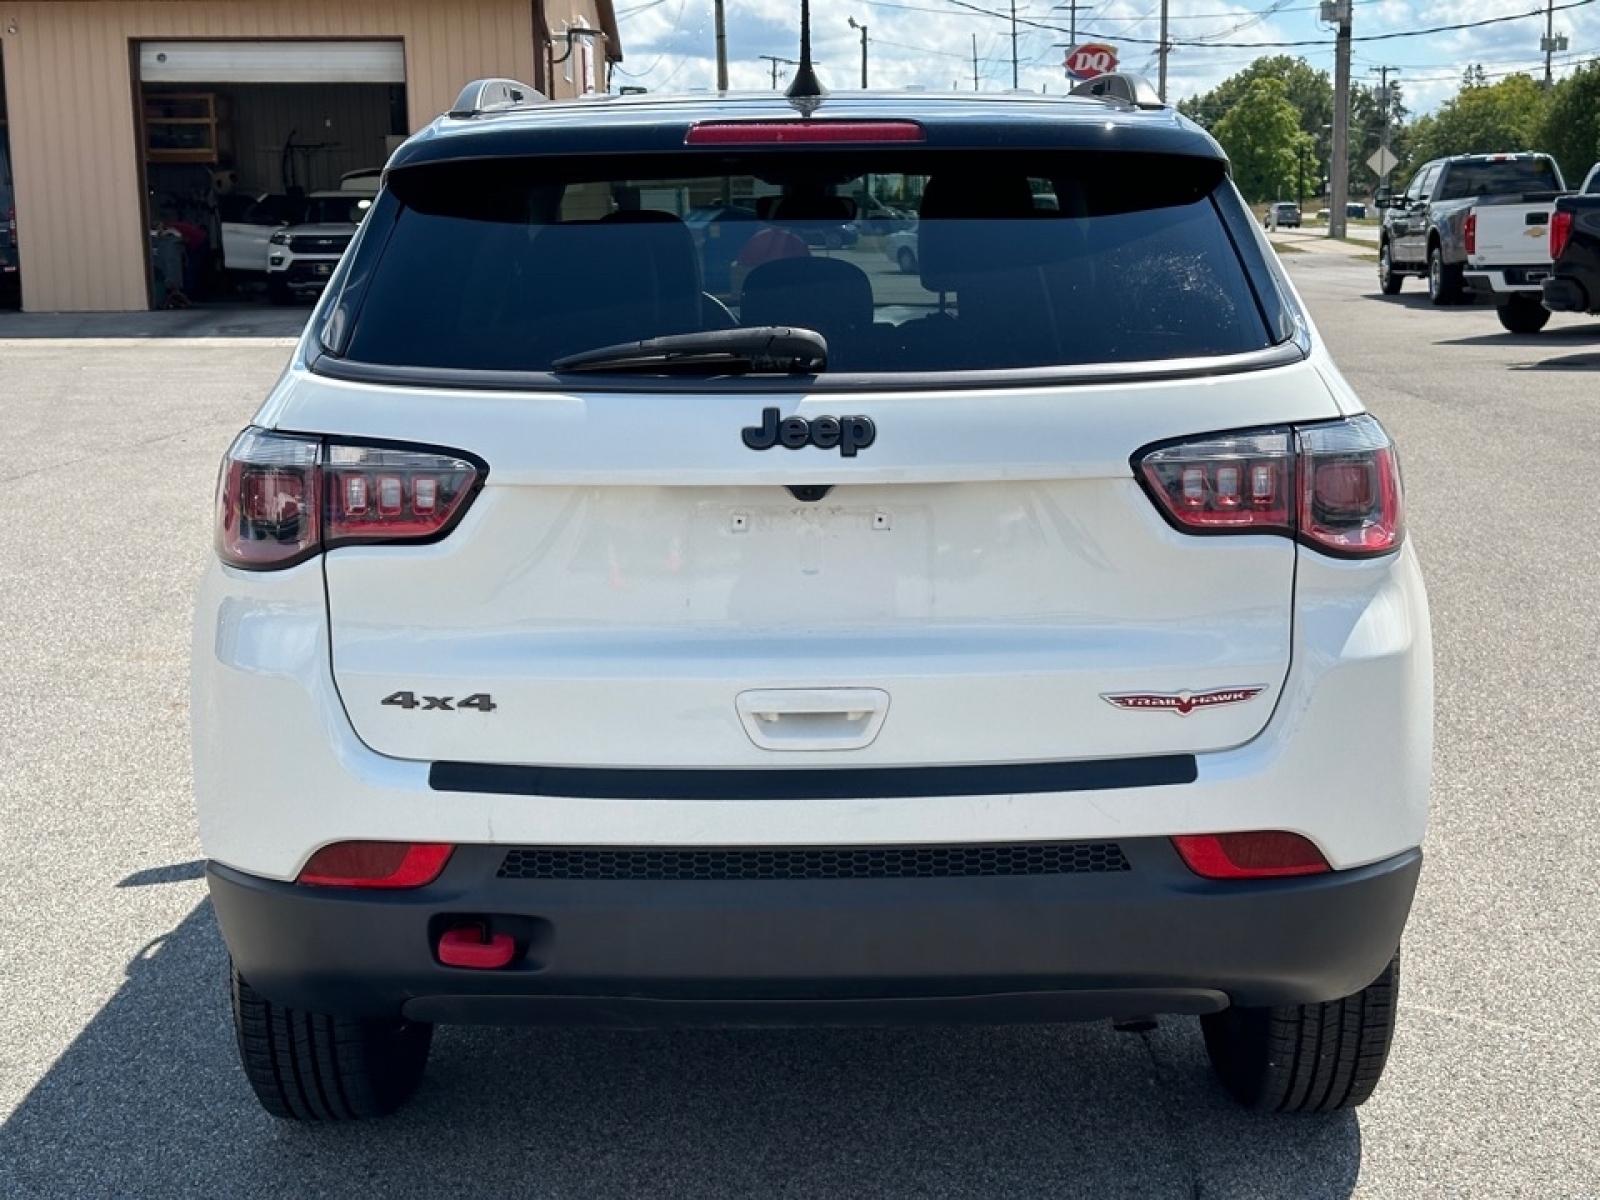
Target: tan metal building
118,108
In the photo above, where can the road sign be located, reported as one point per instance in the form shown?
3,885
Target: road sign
1090,59
1382,161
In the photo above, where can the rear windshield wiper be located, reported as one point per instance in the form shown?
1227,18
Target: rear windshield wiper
759,350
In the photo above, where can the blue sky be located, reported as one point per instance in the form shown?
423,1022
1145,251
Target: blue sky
669,44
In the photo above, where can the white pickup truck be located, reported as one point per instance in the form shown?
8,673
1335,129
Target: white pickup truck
1508,257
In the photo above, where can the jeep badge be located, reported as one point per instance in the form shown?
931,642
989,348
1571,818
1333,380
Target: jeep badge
848,433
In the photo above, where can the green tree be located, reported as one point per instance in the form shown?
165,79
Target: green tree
1484,119
1262,136
1572,123
1307,89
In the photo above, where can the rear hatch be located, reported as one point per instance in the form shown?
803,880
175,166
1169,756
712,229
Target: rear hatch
931,549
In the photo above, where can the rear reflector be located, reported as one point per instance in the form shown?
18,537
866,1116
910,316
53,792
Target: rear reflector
1269,854
801,133
375,864
1560,231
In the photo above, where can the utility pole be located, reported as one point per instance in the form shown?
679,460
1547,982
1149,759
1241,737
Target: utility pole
1338,11
974,62
1013,45
1550,43
1072,7
863,29
775,60
1161,86
721,23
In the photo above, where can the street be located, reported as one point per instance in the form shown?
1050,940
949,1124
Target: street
118,1073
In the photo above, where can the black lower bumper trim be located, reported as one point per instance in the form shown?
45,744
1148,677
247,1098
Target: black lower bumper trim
632,1012
1151,938
839,783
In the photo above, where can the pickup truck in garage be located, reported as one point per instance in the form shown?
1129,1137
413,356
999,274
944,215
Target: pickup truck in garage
1574,283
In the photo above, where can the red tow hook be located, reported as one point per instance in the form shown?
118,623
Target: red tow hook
465,946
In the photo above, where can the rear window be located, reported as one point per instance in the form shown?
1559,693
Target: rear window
909,263
1511,177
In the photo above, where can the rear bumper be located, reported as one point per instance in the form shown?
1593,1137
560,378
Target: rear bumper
1507,281
1564,294
1150,938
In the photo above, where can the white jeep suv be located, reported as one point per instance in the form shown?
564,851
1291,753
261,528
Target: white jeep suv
1033,637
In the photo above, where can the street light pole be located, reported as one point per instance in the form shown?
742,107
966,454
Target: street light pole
863,28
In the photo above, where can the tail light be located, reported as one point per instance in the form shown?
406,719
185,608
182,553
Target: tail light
11,225
1470,233
282,498
1270,854
1335,486
794,132
375,864
1560,231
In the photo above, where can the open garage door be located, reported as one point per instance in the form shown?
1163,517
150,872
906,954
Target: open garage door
243,140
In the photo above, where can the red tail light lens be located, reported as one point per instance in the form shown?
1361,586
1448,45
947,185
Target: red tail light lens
375,864
1470,233
282,498
1560,231
380,495
1349,488
1228,483
1335,486
1258,855
268,501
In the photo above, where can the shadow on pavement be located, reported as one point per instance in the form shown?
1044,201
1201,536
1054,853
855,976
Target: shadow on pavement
149,1101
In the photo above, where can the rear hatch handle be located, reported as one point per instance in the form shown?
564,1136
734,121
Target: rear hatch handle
813,718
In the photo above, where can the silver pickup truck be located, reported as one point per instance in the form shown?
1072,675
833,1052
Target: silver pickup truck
1425,230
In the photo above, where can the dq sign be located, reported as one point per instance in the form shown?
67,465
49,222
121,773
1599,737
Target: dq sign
1091,59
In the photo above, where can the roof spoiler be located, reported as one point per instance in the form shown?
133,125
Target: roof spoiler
493,95
1124,87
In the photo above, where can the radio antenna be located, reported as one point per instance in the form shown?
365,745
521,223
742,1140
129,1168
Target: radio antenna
805,91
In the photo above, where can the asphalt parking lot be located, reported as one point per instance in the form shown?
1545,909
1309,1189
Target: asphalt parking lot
117,1069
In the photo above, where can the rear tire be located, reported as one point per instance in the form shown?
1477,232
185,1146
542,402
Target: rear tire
1306,1057
1444,282
308,1066
1523,314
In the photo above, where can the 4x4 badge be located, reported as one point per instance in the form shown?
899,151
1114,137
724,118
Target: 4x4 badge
848,433
1182,703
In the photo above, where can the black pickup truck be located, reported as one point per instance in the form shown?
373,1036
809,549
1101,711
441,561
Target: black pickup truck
1574,283
1424,230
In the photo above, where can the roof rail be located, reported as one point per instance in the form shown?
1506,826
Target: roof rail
491,95
1123,86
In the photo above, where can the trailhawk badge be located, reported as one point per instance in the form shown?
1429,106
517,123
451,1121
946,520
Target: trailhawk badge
1182,703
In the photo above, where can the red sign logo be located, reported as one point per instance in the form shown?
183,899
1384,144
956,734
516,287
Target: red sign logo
1091,59
1182,703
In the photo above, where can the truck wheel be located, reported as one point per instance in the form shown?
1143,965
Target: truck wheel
907,259
1306,1057
1389,280
318,1067
1523,314
1444,282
